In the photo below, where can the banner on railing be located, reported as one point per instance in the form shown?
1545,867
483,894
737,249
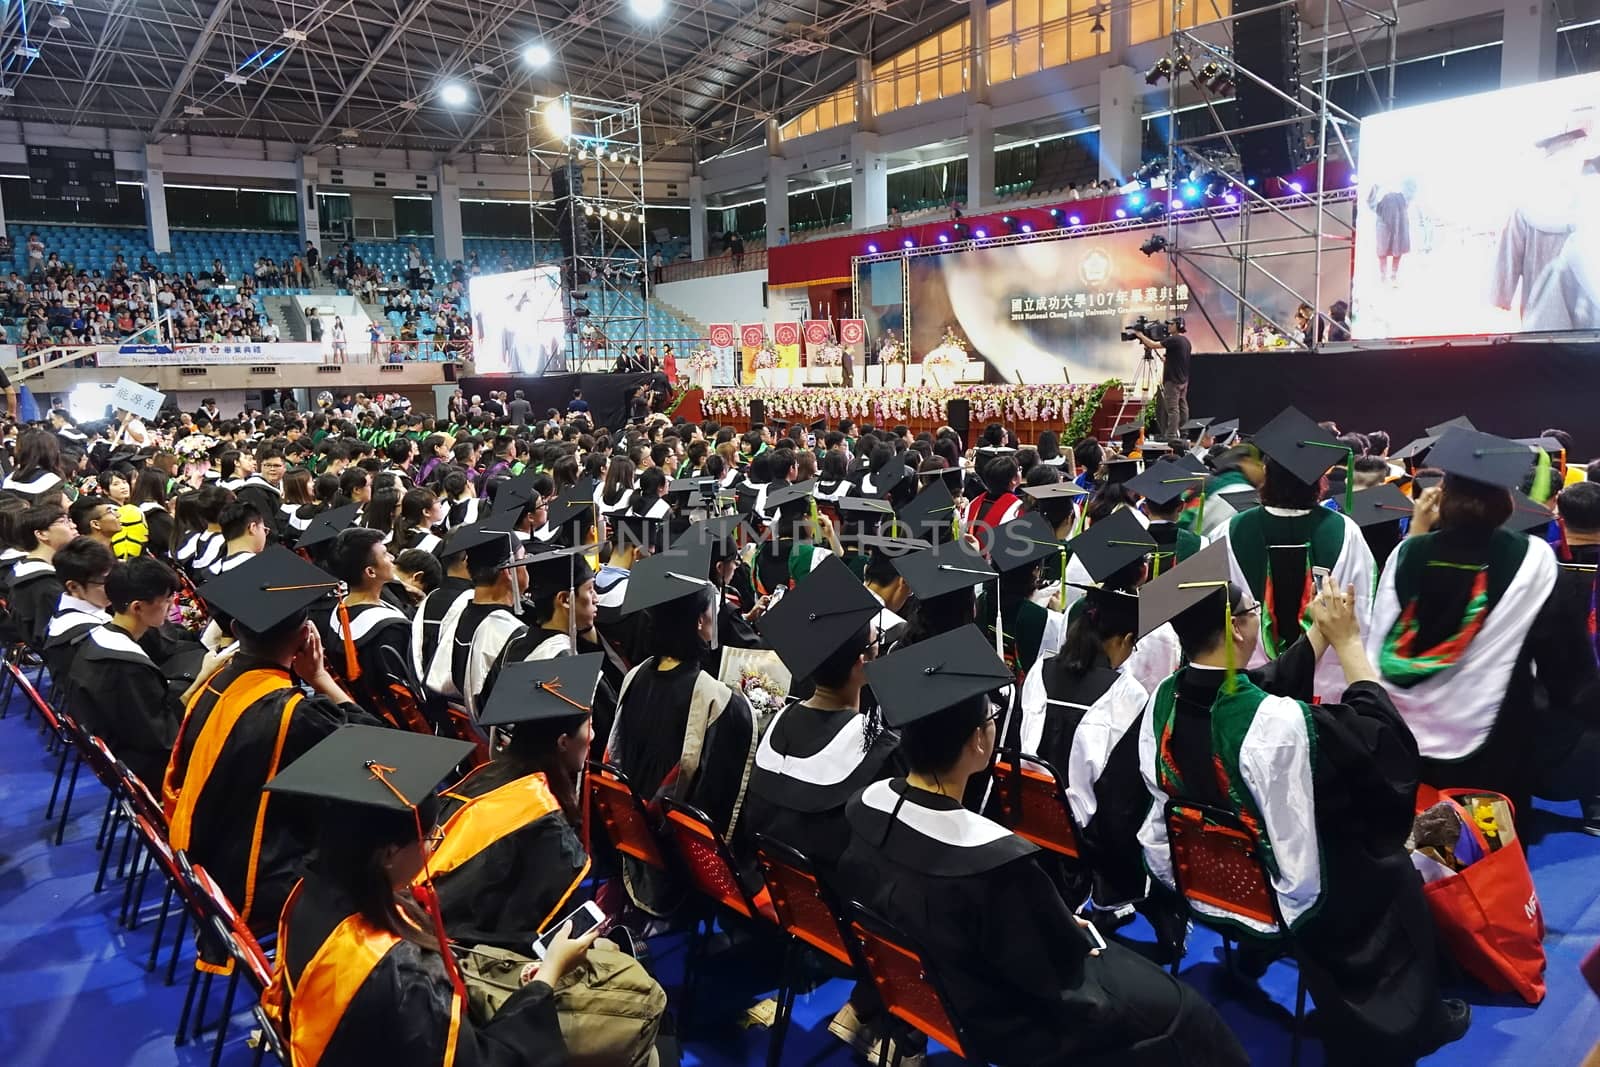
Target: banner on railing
720,339
221,352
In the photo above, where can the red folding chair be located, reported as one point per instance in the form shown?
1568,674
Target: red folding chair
710,866
214,912
1034,805
807,913
1218,864
910,992
622,812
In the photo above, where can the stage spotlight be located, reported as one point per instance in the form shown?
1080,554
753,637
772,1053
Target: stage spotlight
536,55
944,238
1229,198
872,249
1162,69
1182,64
614,157
1352,177
1156,243
1076,221
1209,71
1153,210
557,119
1190,192
980,234
454,93
588,209
908,243
1295,187
583,154
1121,214
1251,182
1027,227
1136,200
647,9
1055,213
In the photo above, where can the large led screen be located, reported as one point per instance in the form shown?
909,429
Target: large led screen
1481,215
517,320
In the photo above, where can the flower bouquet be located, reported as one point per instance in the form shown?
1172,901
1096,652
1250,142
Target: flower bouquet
766,355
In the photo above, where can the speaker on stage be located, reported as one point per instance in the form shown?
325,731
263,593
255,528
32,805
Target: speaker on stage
958,415
1267,43
758,412
572,228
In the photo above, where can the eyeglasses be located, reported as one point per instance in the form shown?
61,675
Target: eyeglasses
434,839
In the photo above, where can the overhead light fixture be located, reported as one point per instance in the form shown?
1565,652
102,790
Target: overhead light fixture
234,79
454,93
1098,27
1161,70
588,209
583,153
294,35
647,9
557,119
483,69
536,55
23,51
60,22
1156,243
614,157
1182,63
407,105
193,110
7,92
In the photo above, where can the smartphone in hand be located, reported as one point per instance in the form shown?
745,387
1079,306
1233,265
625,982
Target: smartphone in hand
584,918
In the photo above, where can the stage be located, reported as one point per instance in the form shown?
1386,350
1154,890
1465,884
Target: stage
607,394
1515,388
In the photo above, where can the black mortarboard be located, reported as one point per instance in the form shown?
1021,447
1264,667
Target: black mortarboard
1127,429
1194,429
823,611
688,485
542,689
1223,429
484,545
373,767
1422,481
638,529
1482,458
863,508
1528,515
1380,504
891,475
1189,583
946,568
269,588
666,576
1300,446
929,512
717,533
820,426
1055,491
780,423
789,494
889,546
569,507
1460,422
515,492
1163,483
1121,471
1548,444
1111,544
1022,542
327,525
552,570
926,678
1415,448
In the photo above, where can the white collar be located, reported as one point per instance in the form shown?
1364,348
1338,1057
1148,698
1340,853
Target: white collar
958,827
830,766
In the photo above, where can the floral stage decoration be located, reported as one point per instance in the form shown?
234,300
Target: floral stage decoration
892,351
766,355
950,351
701,359
1006,403
830,355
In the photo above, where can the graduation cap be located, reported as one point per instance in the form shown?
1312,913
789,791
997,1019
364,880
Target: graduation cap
327,525
946,568
1527,514
373,767
790,494
863,508
1414,449
930,511
1024,541
820,426
1163,484
639,529
1055,491
1380,504
717,534
1121,471
515,492
1224,429
891,475
1194,581
551,570
826,609
1482,457
1548,444
1127,429
1300,446
667,576
889,546
1460,422
569,507
933,675
1194,429
1422,481
269,588
542,689
1116,541
484,545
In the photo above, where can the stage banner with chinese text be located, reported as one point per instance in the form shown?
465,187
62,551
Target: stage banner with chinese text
751,337
721,339
786,335
817,332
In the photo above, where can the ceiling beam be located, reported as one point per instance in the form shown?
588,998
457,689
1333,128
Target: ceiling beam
396,31
201,43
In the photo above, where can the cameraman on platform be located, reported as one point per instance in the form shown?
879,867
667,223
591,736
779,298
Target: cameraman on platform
1172,407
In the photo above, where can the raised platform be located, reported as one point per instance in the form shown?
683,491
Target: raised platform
1512,388
606,394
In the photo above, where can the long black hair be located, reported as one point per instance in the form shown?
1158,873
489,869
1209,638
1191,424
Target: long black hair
350,842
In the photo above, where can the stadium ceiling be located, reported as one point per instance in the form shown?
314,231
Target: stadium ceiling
706,73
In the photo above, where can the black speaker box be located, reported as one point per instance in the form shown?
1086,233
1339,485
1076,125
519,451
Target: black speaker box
1267,44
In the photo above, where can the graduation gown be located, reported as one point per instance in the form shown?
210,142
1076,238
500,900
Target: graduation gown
199,551
35,591
247,722
510,864
540,643
1006,948
1332,788
120,695
1176,545
1030,630
429,616
345,992
71,623
268,499
810,762
475,646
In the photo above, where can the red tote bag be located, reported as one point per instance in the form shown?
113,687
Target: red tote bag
1488,914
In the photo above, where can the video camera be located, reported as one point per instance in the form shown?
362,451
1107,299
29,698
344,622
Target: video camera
1155,329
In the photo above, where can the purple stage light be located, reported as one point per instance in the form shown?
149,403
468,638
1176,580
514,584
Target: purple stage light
1230,198
909,243
871,249
1027,227
944,238
1075,220
1121,214
1295,187
979,234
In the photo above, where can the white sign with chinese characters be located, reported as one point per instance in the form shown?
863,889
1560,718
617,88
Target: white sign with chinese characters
1085,304
139,399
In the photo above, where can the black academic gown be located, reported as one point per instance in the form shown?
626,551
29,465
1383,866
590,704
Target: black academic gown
268,500
247,840
35,591
120,695
400,1013
1011,957
808,765
523,645
1368,951
430,614
382,636
69,625
510,864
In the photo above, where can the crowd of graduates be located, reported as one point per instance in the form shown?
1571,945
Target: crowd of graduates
369,662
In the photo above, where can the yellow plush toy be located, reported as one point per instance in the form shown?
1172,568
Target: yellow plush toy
134,535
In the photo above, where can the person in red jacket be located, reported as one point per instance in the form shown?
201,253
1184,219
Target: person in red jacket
998,503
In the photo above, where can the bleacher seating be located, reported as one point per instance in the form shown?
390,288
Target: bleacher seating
94,248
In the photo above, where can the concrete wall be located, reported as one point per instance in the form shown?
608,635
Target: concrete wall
725,298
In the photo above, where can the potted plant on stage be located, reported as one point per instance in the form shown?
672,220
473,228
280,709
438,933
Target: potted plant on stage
943,364
891,353
702,365
766,362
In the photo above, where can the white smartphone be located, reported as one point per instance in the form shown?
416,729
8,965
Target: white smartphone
1093,931
584,918
1320,575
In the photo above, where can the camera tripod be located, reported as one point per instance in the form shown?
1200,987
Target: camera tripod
1146,383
